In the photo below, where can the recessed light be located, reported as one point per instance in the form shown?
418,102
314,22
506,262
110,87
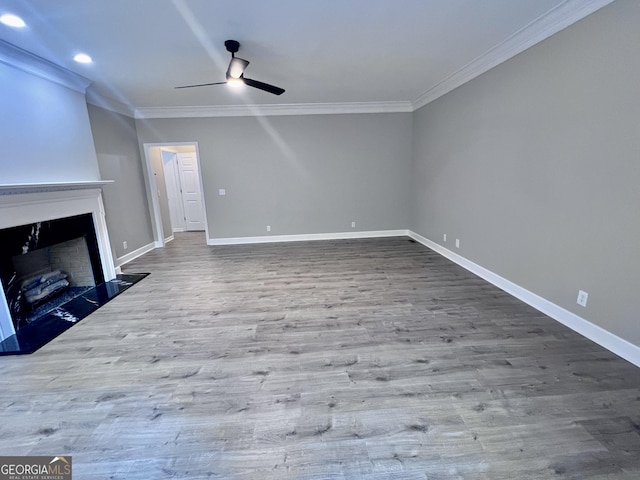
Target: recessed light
83,58
12,20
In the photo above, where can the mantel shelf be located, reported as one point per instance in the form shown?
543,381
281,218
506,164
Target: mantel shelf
15,188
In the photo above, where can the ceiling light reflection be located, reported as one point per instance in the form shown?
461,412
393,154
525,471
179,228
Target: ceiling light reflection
83,58
12,20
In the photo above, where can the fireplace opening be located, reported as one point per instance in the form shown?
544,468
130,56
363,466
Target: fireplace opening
45,264
51,276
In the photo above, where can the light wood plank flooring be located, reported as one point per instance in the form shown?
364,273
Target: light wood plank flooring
358,359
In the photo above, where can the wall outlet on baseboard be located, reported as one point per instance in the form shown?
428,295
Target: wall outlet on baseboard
353,224
582,298
457,243
268,228
124,245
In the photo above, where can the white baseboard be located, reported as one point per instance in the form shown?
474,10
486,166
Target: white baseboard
599,335
133,255
168,239
307,237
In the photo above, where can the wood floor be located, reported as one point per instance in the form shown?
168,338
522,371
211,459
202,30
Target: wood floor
357,359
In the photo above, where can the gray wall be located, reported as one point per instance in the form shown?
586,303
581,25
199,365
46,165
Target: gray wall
535,166
299,174
44,132
125,201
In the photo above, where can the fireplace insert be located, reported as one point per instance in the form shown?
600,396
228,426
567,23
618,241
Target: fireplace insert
47,263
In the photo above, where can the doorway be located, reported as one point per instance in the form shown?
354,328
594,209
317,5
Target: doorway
176,199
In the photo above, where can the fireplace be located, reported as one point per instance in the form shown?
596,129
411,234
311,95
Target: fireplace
44,229
47,263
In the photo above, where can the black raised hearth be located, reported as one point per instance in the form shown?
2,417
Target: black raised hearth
40,332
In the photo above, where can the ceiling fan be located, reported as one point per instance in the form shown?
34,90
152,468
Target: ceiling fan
235,73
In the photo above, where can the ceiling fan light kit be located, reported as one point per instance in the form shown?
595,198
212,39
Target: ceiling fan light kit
236,67
235,82
235,73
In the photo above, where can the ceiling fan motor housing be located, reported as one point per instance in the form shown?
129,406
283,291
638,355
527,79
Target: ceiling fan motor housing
232,46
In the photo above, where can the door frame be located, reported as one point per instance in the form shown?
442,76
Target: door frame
152,198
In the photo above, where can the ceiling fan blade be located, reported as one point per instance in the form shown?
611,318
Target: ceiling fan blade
201,85
263,86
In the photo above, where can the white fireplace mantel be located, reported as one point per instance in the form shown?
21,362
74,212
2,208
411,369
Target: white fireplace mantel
16,188
23,204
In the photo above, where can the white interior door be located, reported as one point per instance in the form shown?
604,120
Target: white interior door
174,190
191,194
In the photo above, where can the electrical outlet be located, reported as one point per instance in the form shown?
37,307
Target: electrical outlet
268,228
582,298
222,191
353,224
124,245
444,237
457,243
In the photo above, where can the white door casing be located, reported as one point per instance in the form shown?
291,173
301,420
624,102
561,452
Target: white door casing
151,187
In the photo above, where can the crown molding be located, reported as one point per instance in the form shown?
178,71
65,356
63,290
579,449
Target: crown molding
28,62
109,104
273,110
553,21
556,19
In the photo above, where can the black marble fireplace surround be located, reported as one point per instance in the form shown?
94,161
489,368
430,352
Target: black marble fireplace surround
24,239
15,243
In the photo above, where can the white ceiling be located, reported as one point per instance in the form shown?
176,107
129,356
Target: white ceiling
321,52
